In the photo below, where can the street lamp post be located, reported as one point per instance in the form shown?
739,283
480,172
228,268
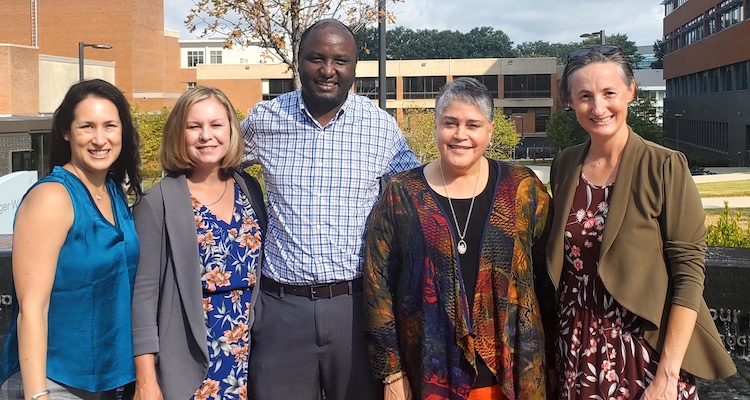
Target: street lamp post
677,117
81,45
599,34
522,135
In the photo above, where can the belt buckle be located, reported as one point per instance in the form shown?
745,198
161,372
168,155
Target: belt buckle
314,291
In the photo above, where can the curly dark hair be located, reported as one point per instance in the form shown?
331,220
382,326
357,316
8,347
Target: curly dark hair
128,164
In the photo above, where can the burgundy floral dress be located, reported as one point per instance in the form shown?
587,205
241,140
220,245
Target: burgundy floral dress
601,353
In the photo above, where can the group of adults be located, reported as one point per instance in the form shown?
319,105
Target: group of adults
460,279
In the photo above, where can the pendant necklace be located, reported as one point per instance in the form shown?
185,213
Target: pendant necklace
461,246
220,197
97,196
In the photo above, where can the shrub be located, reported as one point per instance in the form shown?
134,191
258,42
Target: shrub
727,232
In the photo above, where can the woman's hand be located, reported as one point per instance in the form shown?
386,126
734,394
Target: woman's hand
663,387
398,390
146,385
147,391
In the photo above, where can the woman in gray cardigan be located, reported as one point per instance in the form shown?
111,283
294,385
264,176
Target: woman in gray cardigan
201,228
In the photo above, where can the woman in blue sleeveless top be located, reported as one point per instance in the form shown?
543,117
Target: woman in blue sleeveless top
75,253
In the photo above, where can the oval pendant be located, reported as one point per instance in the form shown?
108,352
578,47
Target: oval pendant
461,247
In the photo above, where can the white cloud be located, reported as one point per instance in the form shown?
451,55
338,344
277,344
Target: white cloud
523,21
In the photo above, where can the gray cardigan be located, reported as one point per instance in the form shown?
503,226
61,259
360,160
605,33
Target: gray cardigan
168,316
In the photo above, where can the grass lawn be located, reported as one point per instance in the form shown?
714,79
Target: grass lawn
724,189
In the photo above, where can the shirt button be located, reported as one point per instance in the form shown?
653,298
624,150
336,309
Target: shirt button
320,163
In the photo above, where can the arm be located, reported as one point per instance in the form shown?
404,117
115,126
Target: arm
246,127
403,157
684,246
46,212
149,224
380,275
146,385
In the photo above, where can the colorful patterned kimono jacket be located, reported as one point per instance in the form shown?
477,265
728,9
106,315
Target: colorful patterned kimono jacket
417,313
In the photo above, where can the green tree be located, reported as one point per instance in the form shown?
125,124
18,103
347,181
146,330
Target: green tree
659,53
407,44
418,126
563,129
276,24
150,127
560,50
541,48
727,232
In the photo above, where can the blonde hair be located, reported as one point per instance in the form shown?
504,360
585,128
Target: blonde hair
173,155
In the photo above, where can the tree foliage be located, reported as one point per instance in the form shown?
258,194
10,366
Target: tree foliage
727,232
150,127
276,25
418,126
407,44
561,50
659,53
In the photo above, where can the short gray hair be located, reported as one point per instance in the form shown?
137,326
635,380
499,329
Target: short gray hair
466,90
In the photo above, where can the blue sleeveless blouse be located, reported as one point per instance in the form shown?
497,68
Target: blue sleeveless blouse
90,344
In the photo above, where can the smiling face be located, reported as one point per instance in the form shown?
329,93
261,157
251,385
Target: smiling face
207,133
462,133
600,96
327,62
95,135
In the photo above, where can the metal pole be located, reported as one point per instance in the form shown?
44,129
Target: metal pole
601,37
382,89
80,61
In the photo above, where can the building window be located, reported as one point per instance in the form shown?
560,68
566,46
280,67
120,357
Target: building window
194,58
191,85
743,81
277,87
422,87
20,161
368,87
527,86
492,83
215,56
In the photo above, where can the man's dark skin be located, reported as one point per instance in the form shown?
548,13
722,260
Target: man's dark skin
327,63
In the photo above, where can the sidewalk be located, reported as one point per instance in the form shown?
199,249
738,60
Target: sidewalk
736,387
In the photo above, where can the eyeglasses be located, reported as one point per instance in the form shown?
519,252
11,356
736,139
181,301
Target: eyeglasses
603,49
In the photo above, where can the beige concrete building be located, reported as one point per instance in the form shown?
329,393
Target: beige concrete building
522,87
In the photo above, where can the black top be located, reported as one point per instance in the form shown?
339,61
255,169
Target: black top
468,263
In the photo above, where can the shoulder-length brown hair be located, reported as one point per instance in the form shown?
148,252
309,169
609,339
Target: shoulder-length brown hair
173,155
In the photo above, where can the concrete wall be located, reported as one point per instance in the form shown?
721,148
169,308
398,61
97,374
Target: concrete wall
57,74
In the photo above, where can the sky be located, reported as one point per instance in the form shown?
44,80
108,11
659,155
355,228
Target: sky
555,21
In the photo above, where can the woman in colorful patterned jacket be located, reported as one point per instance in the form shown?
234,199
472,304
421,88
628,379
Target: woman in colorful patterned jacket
449,267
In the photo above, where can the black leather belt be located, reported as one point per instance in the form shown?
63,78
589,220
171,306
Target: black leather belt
312,292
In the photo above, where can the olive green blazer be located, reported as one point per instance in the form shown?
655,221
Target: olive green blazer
653,244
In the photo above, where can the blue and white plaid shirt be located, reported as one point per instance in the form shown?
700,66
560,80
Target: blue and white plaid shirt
322,182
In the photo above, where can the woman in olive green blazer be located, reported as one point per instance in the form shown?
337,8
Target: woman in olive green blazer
652,251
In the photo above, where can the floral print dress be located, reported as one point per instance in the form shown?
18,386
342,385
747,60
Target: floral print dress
229,255
601,352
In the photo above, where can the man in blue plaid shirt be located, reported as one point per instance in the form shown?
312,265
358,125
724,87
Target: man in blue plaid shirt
323,150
